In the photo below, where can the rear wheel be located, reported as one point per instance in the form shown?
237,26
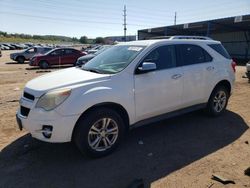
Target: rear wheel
44,65
99,132
218,101
20,59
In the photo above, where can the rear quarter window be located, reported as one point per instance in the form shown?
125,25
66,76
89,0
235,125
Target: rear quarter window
220,49
192,54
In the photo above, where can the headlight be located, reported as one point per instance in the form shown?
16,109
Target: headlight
52,99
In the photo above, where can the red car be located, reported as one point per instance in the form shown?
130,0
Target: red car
58,56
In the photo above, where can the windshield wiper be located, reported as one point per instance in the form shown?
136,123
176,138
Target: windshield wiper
93,70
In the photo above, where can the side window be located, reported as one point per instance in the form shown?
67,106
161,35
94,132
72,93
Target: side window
31,50
56,53
164,57
192,54
68,51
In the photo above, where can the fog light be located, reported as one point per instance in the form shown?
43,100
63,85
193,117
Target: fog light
47,131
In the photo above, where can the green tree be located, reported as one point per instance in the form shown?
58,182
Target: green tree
99,40
83,40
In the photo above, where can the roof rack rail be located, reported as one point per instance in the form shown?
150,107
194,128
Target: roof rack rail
190,37
161,37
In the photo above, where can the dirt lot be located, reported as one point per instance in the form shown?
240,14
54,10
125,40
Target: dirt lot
179,152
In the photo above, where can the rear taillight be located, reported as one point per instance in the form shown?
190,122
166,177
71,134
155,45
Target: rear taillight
233,64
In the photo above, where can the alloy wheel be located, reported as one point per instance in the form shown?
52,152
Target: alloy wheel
103,134
220,100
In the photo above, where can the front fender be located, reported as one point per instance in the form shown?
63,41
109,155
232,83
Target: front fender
79,103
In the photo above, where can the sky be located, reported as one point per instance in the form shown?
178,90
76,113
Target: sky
94,18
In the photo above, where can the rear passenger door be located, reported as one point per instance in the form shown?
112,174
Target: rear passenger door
198,71
160,91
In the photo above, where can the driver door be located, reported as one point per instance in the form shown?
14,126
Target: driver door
55,57
159,91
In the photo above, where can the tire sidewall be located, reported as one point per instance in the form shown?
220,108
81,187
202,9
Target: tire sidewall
86,122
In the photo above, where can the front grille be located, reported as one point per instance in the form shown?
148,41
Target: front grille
28,96
24,111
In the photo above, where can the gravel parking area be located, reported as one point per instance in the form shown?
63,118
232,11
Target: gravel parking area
179,152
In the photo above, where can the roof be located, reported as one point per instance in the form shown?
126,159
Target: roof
177,39
222,25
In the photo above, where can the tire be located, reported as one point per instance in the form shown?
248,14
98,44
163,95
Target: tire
218,100
44,64
20,59
99,132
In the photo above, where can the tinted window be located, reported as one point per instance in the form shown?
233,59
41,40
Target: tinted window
163,57
192,54
220,49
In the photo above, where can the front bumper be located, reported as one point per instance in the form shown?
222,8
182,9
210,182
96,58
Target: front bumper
32,62
13,58
38,118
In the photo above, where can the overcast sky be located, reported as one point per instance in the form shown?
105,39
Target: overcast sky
94,18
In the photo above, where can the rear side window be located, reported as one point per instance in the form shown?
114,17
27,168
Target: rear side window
220,49
192,54
68,51
164,57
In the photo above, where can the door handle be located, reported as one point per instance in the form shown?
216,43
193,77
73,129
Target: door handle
176,76
210,68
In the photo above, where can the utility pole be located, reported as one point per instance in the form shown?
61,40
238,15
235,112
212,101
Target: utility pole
125,21
175,15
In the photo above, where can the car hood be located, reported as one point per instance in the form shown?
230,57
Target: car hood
70,78
86,57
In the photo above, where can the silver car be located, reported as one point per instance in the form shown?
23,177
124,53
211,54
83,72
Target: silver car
27,54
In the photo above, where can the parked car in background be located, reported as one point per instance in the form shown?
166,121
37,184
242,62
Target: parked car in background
27,54
94,49
130,84
4,47
9,46
58,56
248,71
84,59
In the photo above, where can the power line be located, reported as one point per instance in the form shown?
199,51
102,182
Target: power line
133,19
70,20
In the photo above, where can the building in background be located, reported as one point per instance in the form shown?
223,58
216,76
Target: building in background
112,39
233,32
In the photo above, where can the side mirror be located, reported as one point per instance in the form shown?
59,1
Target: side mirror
146,67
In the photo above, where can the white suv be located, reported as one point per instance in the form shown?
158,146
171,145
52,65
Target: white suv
130,84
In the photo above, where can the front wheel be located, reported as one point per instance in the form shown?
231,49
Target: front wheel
20,59
218,101
44,65
99,132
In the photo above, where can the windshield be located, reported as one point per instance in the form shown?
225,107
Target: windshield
114,59
102,50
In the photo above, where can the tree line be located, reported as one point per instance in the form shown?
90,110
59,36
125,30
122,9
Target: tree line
83,39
